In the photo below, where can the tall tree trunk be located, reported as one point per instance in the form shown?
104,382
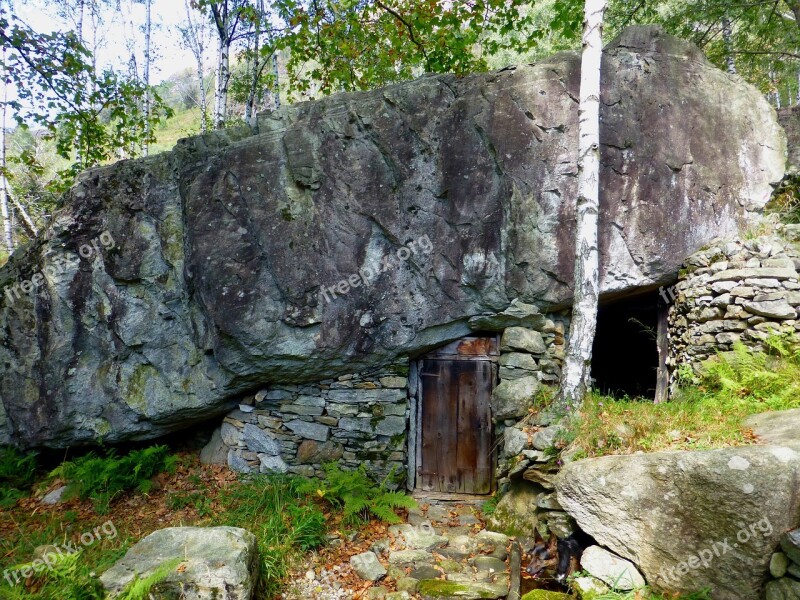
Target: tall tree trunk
255,72
727,37
223,78
794,6
8,234
79,34
193,35
777,93
276,94
575,375
147,60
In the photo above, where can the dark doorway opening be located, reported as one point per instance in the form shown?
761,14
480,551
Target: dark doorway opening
625,357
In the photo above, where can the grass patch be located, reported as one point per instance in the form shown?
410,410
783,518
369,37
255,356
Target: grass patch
17,474
707,413
284,519
647,594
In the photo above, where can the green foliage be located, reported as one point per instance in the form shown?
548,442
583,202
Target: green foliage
648,594
785,202
281,516
490,505
761,38
91,116
706,413
139,589
768,380
358,496
102,478
17,472
362,44
67,578
198,500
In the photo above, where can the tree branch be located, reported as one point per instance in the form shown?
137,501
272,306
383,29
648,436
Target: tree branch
416,42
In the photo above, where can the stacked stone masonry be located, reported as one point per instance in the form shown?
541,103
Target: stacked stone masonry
353,420
732,291
363,419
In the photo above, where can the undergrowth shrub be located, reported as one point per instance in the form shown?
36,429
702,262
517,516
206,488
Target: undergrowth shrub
17,473
102,478
67,578
358,496
141,588
284,519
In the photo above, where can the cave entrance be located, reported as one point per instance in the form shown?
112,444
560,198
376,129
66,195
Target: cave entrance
630,347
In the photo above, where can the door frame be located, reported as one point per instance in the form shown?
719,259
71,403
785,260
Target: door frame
468,348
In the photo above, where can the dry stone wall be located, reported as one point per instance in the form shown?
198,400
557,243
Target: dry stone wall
732,291
355,419
367,418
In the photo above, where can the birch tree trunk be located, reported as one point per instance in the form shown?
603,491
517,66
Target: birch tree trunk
7,229
276,94
576,372
255,71
194,36
727,37
147,60
221,92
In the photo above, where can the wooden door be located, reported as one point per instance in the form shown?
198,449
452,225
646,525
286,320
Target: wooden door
456,426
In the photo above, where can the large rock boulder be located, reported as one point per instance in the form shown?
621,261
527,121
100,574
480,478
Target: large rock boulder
216,563
689,520
350,232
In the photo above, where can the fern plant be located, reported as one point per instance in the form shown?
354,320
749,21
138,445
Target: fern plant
67,577
17,472
102,478
140,589
359,497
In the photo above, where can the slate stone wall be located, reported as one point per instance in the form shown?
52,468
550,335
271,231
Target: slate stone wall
732,291
366,418
355,419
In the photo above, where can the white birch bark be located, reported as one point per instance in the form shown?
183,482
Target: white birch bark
194,35
221,91
8,235
727,36
255,71
575,375
147,61
276,94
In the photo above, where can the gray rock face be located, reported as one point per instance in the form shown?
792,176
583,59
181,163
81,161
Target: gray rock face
364,227
689,520
217,563
512,398
367,566
785,588
257,440
215,452
611,569
54,497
